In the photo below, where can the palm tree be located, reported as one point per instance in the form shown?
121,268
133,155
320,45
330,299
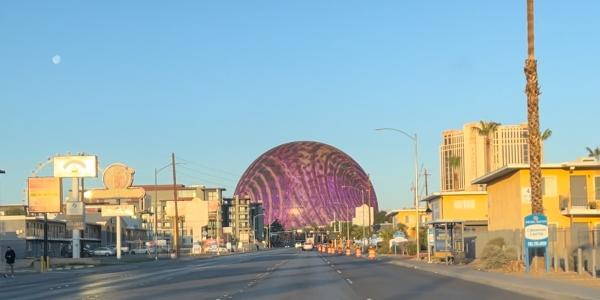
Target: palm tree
532,90
454,164
487,129
546,134
594,152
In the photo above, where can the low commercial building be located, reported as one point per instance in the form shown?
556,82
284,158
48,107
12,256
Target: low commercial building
26,235
407,218
570,191
198,209
456,220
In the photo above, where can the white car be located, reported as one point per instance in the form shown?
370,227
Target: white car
135,251
307,247
104,251
298,245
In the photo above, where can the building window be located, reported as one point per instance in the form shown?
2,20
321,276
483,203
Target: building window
597,187
212,196
464,204
549,186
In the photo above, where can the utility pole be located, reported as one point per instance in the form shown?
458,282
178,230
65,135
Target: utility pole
426,182
176,235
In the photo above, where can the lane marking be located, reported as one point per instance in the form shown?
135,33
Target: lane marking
349,281
339,272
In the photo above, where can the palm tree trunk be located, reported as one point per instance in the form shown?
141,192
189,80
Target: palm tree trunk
533,91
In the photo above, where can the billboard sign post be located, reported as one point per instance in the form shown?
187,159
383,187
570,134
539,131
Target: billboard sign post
44,194
536,238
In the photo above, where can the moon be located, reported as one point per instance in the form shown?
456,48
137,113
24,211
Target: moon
56,59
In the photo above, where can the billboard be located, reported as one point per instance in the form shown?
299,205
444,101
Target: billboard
44,194
118,210
76,166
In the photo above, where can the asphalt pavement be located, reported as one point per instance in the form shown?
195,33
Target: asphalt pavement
276,274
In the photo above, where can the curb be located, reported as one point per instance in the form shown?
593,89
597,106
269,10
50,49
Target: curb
520,289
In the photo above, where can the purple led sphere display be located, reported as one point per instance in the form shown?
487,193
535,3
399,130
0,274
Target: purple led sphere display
307,183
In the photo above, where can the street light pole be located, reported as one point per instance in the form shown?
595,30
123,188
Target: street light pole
415,140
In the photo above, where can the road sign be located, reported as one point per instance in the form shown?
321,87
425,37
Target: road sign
75,208
75,222
118,210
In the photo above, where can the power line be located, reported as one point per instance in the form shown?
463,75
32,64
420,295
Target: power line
210,168
195,177
206,174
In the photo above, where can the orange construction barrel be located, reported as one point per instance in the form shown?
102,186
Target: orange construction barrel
372,254
348,252
358,252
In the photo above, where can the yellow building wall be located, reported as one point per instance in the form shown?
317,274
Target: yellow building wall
400,218
506,196
453,207
504,203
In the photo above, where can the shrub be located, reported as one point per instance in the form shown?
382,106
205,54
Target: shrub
496,255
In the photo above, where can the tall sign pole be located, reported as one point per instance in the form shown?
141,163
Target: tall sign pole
76,232
176,233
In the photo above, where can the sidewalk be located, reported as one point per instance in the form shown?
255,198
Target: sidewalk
531,285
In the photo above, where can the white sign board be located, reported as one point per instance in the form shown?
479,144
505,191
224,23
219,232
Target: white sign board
76,166
75,208
118,210
536,232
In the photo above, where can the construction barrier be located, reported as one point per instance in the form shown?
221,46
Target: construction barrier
358,252
348,252
372,254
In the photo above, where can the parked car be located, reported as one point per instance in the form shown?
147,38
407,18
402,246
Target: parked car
307,247
104,251
84,251
135,251
124,249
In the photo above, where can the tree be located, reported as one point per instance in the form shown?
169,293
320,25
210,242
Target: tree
546,134
487,129
380,217
454,163
593,152
532,90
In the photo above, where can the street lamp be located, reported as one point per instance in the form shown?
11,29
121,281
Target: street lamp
254,225
415,140
348,222
362,197
156,172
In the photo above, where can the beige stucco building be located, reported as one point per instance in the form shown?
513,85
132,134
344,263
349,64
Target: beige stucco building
198,207
469,150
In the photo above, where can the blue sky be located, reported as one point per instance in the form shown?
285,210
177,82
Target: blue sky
220,82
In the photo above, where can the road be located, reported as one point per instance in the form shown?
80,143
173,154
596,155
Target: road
275,274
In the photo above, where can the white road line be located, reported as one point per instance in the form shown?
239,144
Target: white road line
349,281
339,272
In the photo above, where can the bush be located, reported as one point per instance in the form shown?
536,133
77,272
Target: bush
496,255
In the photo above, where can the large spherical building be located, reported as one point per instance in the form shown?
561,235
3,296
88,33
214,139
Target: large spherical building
307,183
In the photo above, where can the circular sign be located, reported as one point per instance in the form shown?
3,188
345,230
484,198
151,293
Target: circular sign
118,176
